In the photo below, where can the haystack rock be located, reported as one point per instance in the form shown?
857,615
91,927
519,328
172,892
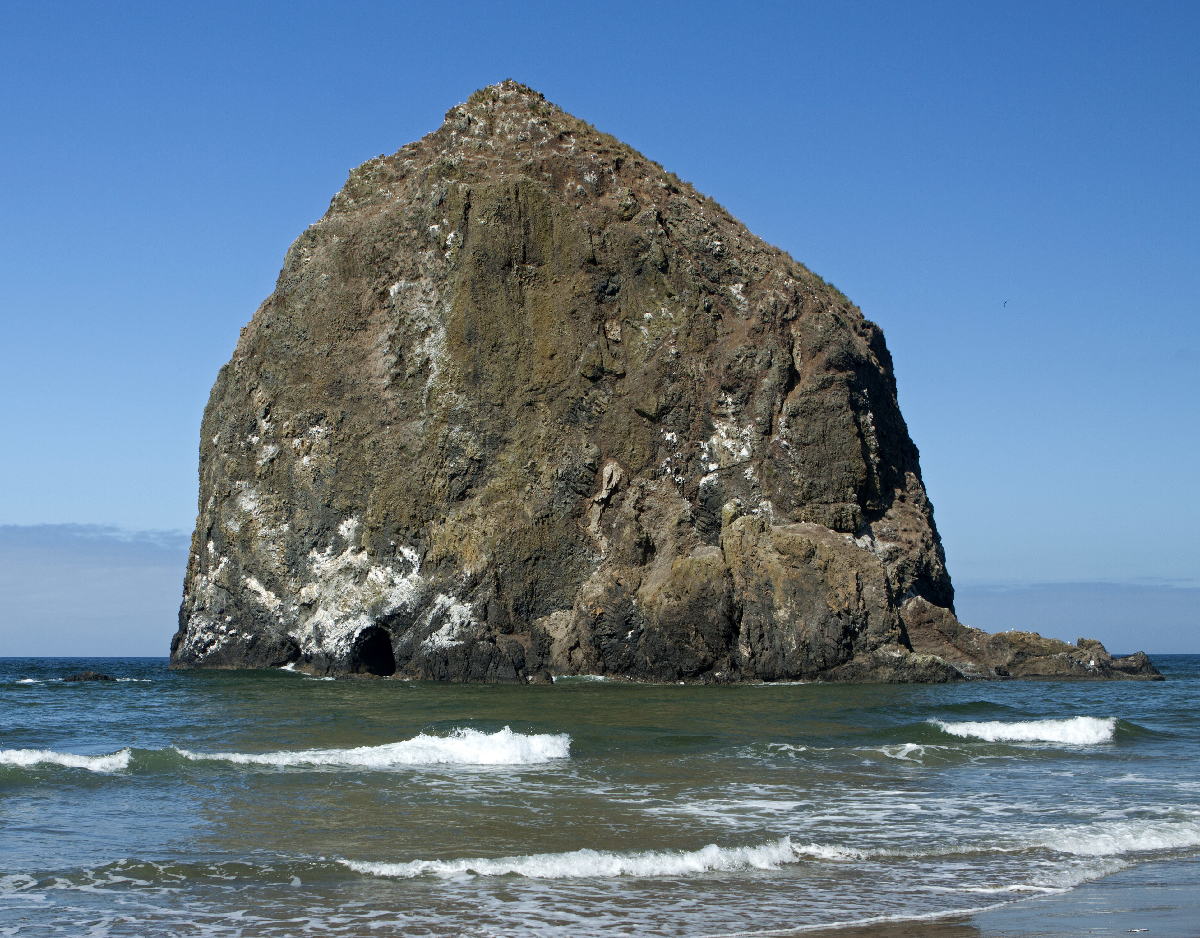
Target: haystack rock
523,403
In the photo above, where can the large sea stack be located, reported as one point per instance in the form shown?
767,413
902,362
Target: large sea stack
523,403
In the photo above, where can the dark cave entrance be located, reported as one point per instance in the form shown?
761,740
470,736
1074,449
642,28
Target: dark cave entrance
372,652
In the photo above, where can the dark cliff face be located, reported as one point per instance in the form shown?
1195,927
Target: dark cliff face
523,402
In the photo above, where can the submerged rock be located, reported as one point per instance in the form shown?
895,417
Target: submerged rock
88,676
525,403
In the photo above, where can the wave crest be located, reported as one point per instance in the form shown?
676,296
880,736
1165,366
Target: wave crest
462,747
1076,731
26,758
593,864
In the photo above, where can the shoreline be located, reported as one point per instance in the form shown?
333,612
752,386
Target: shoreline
1160,899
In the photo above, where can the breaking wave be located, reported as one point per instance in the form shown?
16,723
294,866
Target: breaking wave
1118,838
27,758
1108,842
462,747
591,864
1076,731
1107,839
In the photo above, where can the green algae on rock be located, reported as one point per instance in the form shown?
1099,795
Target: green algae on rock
523,403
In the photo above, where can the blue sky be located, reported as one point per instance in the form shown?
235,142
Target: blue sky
1010,190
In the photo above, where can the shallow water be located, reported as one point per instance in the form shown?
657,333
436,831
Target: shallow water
272,803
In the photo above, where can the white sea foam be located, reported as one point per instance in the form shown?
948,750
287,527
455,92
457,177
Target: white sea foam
902,751
24,758
290,667
782,683
998,890
832,852
462,747
1076,731
16,881
20,886
597,864
1106,841
1119,838
857,922
30,680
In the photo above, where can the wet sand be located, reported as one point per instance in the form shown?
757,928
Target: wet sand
1159,900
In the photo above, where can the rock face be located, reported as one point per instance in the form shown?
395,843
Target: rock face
524,403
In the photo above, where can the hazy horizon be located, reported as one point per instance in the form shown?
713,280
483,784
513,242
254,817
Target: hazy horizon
133,582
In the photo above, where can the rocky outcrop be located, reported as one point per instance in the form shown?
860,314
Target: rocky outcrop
87,676
524,403
935,631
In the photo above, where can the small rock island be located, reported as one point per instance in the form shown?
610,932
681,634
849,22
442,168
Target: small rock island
523,403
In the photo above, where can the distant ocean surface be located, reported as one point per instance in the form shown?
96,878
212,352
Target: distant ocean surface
272,803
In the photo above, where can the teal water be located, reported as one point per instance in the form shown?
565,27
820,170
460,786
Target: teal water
273,803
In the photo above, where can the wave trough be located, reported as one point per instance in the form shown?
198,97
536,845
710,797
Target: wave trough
462,747
1076,731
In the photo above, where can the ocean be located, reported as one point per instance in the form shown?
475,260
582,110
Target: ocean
273,803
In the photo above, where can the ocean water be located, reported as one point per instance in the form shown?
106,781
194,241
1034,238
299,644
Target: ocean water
273,803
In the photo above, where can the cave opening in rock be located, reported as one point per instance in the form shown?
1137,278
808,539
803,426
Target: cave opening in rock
372,652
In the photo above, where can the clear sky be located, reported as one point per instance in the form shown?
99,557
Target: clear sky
1010,190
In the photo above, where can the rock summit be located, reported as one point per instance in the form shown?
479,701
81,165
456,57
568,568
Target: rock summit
524,403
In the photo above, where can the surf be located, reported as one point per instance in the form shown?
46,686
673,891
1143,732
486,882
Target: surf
596,864
32,758
463,746
1074,731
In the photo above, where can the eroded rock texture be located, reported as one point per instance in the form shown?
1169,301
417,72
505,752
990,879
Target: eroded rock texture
524,403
